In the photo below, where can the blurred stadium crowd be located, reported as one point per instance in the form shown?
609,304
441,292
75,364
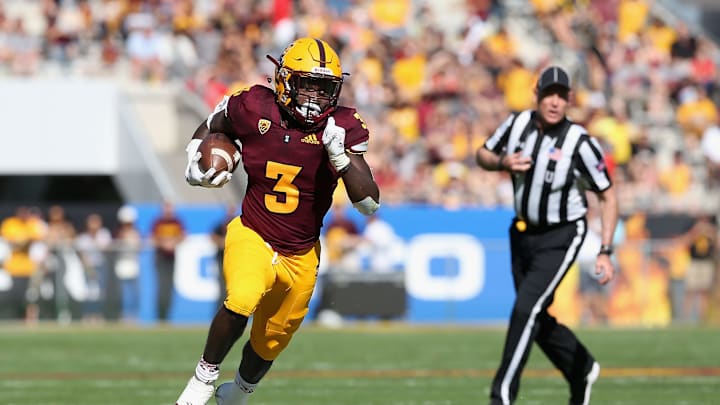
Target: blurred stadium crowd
431,79
431,85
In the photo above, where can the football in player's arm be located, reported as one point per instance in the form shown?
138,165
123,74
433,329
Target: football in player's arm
296,144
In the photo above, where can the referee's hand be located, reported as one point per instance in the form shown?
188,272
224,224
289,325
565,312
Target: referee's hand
604,269
516,162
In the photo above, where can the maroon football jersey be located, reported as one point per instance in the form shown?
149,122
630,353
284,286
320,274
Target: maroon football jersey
290,178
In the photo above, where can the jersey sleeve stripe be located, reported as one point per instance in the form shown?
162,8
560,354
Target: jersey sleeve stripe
500,137
592,161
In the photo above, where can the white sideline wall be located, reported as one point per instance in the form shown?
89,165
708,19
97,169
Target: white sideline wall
58,127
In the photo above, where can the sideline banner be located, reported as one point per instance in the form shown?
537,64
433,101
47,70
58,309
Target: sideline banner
456,264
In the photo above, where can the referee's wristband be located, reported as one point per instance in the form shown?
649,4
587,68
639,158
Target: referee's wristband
606,250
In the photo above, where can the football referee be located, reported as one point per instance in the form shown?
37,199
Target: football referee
553,162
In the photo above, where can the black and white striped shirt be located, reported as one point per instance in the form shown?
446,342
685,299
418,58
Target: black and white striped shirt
566,162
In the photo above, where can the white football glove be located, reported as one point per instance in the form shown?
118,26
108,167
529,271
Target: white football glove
195,176
333,139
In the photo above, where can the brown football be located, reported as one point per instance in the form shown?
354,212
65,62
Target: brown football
219,152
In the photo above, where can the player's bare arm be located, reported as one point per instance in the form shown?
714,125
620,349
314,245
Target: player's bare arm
216,123
359,182
201,131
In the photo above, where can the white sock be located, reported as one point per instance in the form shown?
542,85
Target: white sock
207,372
244,385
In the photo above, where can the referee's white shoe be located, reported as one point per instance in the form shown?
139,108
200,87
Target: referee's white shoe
581,394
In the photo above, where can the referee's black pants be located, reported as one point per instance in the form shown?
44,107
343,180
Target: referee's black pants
540,260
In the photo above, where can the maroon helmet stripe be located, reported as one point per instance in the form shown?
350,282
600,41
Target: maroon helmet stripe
322,52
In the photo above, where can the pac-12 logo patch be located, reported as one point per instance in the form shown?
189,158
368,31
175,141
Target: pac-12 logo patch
263,126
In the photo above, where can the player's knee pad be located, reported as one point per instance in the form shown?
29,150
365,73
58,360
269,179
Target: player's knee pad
270,347
269,340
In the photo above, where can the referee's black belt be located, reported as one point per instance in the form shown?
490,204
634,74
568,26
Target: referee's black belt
527,227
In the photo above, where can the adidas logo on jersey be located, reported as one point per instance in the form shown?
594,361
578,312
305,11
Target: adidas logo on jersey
311,139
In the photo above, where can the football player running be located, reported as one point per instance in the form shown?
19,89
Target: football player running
296,144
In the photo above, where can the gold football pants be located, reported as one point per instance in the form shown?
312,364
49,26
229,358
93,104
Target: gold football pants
274,288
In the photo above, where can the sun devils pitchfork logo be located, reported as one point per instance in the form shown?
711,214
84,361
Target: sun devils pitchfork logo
263,126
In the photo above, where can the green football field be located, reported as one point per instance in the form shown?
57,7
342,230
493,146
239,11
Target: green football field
379,364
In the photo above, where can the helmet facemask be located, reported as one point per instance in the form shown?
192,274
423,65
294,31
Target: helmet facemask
315,96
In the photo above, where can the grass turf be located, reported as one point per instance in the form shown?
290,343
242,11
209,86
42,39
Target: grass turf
373,364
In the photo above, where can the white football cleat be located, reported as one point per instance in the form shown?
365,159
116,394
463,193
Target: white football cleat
230,393
196,392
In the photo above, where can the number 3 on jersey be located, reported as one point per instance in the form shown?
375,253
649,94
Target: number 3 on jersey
284,174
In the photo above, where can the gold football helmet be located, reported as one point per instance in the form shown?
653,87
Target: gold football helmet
308,79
